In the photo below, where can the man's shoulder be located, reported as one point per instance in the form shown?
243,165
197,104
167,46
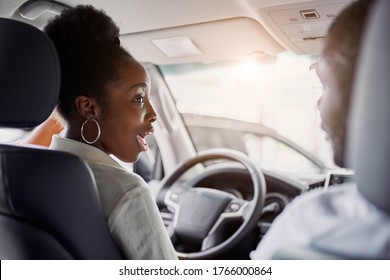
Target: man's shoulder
322,194
320,201
338,202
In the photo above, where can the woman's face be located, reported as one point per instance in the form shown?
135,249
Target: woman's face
128,114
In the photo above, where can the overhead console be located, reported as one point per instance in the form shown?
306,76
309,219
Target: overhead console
301,27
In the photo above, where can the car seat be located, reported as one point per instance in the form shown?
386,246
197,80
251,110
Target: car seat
369,152
49,205
369,134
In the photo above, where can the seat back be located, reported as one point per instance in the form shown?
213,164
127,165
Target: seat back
369,135
49,206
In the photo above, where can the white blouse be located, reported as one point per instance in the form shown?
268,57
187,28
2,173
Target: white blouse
132,214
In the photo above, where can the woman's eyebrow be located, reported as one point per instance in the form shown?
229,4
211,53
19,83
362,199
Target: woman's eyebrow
145,85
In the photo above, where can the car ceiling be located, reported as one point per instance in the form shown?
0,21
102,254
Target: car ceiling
181,31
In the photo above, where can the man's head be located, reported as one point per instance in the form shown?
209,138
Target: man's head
336,70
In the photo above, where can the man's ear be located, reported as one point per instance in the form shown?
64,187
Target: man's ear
87,107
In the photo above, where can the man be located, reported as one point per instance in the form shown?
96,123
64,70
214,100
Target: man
339,221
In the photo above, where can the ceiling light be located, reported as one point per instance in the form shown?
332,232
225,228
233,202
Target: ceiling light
177,47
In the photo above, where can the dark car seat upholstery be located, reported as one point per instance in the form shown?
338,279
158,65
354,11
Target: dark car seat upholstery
369,132
49,206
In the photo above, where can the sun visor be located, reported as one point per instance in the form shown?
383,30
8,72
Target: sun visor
225,39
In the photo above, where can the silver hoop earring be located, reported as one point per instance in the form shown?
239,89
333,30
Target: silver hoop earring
98,133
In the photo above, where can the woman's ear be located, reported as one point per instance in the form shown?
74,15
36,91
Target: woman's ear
87,107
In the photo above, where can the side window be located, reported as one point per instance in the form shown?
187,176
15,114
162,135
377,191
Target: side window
272,154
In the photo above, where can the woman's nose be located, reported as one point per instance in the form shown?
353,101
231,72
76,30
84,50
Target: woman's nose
151,115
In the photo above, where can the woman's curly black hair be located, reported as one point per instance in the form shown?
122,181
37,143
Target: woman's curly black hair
90,54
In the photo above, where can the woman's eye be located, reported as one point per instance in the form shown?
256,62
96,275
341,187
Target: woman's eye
139,99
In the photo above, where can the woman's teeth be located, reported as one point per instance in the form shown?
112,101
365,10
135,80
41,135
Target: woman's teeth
142,144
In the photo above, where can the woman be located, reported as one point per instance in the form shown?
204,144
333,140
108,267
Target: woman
104,101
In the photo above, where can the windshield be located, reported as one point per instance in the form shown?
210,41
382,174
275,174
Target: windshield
277,96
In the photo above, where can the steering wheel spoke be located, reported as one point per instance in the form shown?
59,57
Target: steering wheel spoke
214,238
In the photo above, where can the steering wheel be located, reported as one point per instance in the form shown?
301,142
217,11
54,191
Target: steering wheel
200,214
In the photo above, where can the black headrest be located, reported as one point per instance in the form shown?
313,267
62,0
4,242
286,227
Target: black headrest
369,135
30,75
